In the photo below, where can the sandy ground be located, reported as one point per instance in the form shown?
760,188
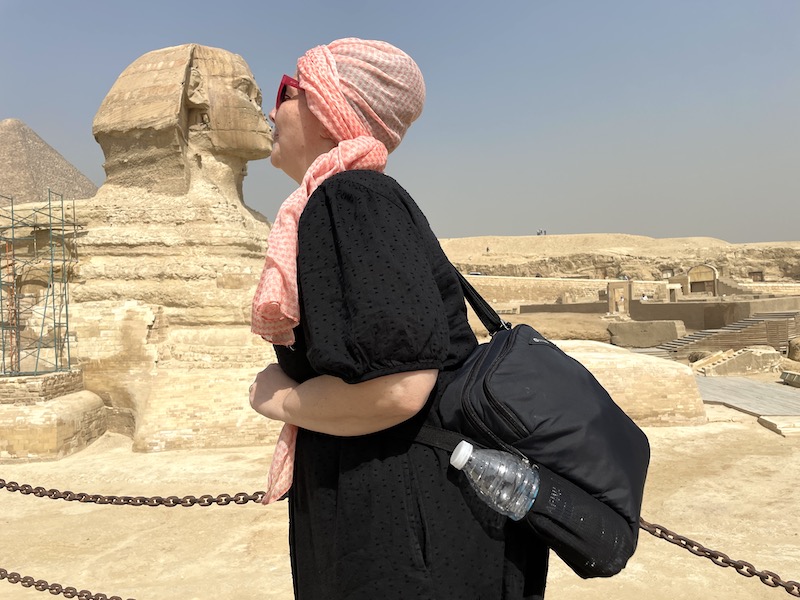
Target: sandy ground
730,484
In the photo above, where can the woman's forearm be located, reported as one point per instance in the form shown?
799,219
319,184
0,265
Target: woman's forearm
329,405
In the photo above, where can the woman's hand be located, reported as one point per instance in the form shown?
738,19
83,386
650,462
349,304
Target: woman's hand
269,390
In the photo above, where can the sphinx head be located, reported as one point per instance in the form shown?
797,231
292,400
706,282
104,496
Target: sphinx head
174,108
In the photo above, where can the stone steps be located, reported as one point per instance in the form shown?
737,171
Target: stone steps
744,361
772,329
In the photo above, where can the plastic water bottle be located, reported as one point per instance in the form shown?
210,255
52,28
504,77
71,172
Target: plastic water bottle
504,481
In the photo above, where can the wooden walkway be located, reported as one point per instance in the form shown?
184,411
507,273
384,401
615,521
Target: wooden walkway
756,398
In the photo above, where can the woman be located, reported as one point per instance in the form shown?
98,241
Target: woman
369,324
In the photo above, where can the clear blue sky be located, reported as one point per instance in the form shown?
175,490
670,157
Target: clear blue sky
666,118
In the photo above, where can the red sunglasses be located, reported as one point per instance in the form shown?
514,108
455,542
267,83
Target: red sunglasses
286,81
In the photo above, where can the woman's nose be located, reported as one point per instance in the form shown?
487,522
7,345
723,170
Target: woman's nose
271,115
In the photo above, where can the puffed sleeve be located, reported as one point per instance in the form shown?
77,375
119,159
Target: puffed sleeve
370,303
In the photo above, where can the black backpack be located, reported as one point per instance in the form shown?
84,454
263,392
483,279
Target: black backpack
521,393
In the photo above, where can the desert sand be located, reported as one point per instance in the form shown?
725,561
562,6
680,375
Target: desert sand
730,484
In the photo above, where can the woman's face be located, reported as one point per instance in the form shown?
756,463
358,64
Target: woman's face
298,138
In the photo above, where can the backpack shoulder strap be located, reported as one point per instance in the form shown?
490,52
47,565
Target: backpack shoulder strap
488,316
442,438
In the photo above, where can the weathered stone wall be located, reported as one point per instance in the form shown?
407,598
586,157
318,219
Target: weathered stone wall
645,334
538,290
769,287
551,290
52,429
116,348
162,325
652,391
171,387
199,395
583,308
711,314
31,389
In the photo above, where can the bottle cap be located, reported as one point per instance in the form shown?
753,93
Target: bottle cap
461,454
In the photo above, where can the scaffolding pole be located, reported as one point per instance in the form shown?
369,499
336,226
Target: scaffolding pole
38,245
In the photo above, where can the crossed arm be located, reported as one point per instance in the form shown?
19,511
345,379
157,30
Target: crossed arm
327,404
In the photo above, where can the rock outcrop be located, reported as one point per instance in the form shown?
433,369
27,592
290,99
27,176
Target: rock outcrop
794,349
652,391
616,255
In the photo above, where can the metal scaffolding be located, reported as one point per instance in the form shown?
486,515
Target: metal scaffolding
37,251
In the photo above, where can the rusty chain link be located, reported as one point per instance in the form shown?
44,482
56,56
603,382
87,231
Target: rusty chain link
721,559
169,501
54,588
718,558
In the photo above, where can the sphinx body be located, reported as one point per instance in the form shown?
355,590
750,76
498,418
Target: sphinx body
169,254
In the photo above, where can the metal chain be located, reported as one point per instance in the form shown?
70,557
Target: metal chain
169,501
54,588
719,558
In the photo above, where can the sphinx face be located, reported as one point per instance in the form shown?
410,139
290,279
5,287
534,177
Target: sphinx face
172,98
233,121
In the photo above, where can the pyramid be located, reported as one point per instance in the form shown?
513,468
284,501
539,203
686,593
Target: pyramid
29,166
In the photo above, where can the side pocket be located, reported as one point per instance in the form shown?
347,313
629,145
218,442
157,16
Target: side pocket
418,531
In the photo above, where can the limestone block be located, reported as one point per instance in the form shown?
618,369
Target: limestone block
645,334
651,390
192,407
52,429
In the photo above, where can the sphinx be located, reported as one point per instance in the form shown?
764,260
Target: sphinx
169,254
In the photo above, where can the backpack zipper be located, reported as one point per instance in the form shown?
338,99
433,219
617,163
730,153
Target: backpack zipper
472,415
509,417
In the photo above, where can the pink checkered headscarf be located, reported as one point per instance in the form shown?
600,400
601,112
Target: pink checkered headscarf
366,93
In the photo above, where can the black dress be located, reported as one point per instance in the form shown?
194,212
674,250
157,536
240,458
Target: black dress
378,517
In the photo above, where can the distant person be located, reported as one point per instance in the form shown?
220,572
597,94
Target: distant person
369,325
